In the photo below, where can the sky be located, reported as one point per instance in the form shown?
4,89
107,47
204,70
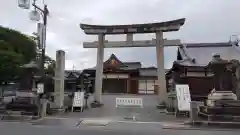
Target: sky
206,21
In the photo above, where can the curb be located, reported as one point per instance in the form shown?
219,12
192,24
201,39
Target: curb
202,126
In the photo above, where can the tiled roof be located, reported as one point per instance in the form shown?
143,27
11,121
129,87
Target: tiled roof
200,54
151,71
132,65
122,65
141,28
113,61
72,73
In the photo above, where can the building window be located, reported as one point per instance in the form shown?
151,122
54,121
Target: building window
146,86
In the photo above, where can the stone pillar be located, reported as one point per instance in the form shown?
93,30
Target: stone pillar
161,82
59,79
194,105
99,70
43,111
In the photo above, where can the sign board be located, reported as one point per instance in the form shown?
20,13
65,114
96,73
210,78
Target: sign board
40,88
183,97
78,99
113,76
41,35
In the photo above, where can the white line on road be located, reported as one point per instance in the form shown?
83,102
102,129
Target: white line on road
119,121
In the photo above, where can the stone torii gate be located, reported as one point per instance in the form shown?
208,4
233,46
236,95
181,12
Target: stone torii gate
129,30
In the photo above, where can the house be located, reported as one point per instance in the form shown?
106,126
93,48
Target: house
191,66
125,77
71,79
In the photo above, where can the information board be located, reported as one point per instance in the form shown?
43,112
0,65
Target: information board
78,99
40,88
183,97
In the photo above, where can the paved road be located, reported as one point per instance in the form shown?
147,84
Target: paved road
105,122
10,128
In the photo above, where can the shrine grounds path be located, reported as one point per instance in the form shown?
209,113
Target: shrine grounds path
149,112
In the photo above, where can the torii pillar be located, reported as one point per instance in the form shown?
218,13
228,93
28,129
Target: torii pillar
159,42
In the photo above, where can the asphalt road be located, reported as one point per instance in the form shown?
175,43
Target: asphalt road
11,128
71,124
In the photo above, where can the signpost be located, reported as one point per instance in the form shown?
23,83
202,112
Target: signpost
183,97
40,88
78,100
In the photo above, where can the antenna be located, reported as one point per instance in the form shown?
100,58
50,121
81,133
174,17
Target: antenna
73,67
234,39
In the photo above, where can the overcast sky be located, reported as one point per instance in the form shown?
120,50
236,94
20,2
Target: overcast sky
206,21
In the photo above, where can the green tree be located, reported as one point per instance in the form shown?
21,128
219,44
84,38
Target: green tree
50,65
21,43
16,49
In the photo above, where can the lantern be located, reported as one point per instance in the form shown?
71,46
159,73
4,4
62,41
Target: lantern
34,15
25,4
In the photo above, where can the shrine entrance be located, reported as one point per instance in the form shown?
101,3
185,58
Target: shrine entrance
114,86
129,30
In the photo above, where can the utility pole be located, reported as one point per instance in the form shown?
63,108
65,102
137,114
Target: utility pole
35,15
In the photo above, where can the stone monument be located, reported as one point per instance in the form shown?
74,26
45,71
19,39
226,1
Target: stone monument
220,92
222,103
59,79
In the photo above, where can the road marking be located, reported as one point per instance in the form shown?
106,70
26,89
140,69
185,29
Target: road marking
151,122
95,122
91,120
64,118
58,118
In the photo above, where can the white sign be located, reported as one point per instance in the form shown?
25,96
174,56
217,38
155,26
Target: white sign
78,99
40,88
183,97
129,102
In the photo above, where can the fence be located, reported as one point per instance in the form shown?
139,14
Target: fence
129,107
129,102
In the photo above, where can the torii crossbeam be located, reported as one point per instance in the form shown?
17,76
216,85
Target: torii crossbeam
129,30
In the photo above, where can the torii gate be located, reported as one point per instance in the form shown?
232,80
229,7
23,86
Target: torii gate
159,42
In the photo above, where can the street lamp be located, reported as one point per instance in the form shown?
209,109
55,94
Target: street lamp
25,4
35,15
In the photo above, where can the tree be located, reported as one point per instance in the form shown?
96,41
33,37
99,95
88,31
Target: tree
50,65
16,49
21,43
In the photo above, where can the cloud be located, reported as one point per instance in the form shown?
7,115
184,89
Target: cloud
206,21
